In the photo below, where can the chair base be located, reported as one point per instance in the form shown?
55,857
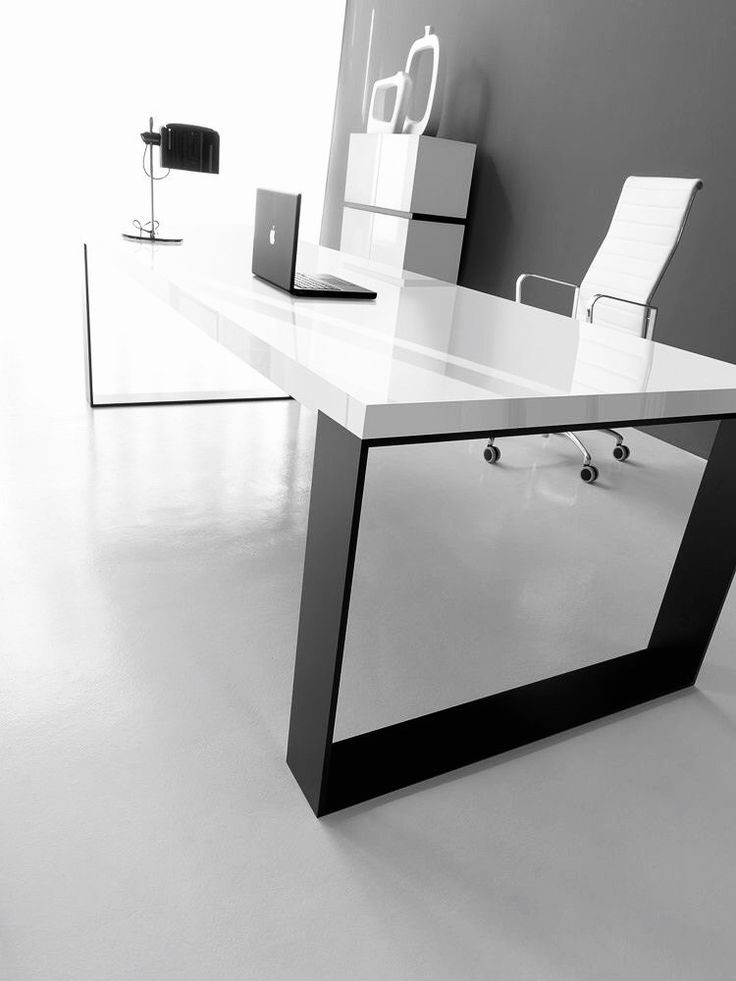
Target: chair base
589,472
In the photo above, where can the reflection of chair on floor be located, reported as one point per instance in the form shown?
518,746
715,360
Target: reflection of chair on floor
619,286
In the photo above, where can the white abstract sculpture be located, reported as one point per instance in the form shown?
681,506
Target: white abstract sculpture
427,124
402,82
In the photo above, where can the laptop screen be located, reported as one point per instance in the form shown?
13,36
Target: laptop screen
275,236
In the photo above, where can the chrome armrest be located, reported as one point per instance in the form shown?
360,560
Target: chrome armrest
547,279
649,318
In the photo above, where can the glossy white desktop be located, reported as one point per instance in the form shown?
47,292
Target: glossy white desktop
429,361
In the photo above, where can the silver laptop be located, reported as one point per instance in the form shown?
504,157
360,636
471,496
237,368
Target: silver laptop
275,243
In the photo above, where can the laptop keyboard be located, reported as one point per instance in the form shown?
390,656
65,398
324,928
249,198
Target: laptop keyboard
331,283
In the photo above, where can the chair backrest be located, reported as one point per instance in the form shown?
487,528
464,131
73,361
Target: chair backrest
644,232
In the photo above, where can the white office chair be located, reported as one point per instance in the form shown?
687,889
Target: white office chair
619,286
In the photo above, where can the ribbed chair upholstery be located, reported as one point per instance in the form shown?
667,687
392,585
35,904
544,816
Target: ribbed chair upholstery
642,237
619,286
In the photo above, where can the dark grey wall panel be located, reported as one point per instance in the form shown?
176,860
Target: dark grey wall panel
565,99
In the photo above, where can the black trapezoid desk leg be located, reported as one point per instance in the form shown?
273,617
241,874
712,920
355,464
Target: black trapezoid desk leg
133,402
338,477
334,775
88,380
705,563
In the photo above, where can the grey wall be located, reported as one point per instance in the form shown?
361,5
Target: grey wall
565,99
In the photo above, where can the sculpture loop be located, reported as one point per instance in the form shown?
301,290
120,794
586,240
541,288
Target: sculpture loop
427,123
402,84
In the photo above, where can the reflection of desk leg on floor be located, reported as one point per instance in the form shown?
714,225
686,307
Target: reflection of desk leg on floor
334,775
152,335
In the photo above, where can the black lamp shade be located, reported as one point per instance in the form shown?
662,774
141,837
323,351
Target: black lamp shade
185,147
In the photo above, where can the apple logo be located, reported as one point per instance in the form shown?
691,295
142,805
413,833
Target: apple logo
272,235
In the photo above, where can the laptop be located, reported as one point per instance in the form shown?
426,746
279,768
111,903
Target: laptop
275,243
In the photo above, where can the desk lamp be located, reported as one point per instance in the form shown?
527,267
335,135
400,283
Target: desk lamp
183,147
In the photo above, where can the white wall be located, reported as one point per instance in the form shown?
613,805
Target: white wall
80,79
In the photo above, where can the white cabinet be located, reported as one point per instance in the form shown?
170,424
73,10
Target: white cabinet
398,189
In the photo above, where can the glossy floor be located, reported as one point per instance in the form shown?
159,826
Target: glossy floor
150,829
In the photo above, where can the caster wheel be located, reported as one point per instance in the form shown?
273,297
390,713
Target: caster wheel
621,452
589,473
491,454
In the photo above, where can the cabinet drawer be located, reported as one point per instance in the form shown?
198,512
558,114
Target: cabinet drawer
429,247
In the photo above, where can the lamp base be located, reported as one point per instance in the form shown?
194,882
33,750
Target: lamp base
153,239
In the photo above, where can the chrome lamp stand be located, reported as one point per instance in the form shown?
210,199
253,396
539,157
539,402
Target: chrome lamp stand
146,233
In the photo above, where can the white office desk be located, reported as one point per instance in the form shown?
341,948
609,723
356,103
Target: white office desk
431,361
